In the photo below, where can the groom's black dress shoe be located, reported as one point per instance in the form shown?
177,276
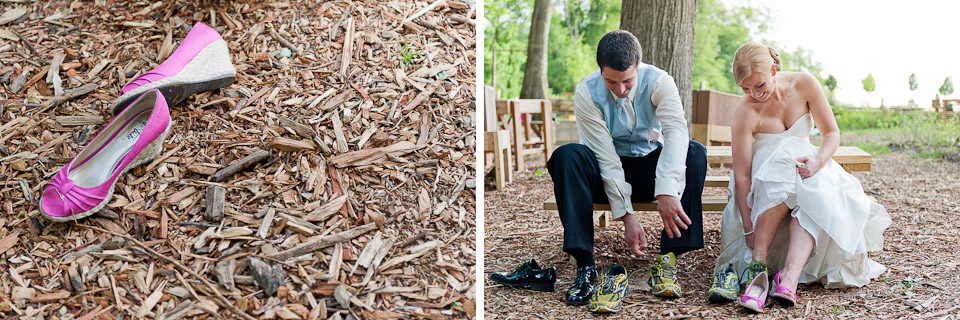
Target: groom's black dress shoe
579,293
528,275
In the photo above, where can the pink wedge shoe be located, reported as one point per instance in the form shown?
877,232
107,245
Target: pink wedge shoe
200,63
782,295
131,139
755,296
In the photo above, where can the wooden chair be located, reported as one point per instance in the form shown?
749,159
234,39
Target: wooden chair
496,141
529,137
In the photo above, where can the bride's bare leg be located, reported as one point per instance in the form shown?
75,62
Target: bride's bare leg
801,243
766,228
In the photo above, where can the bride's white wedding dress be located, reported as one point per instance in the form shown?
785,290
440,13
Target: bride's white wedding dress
830,205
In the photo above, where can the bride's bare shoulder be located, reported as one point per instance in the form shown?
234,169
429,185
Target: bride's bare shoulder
746,111
799,80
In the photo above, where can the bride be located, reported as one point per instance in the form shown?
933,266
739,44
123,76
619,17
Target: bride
793,207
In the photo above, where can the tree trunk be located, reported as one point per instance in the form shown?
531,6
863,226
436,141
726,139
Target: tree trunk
665,30
535,71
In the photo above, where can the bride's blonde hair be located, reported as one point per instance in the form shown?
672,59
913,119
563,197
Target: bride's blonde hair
754,56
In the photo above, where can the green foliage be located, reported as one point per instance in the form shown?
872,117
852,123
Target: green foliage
577,25
539,173
869,84
570,59
719,32
831,83
408,54
800,60
913,81
946,88
575,28
919,132
508,26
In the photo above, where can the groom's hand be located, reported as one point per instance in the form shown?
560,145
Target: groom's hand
636,238
672,214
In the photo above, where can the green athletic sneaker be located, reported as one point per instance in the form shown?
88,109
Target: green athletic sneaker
756,267
663,276
725,285
612,290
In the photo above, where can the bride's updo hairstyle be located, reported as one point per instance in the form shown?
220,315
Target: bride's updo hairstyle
754,56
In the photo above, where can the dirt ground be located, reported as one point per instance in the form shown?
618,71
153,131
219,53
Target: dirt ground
919,252
360,203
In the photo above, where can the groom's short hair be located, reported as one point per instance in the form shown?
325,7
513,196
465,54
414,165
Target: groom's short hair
618,50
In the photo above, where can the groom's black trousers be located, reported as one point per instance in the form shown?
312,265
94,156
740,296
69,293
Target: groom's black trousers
577,185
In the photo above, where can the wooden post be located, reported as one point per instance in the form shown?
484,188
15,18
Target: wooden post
548,134
518,134
499,143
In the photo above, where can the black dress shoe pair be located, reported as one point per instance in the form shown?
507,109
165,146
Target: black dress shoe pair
528,275
583,286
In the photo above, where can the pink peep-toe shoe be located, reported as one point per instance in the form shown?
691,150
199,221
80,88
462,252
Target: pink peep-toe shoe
132,138
755,296
782,295
200,63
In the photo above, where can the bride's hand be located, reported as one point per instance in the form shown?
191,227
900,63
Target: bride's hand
749,236
809,166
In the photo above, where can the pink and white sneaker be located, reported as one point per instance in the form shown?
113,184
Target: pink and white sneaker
200,63
132,138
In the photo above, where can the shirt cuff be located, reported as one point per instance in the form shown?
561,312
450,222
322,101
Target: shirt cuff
620,209
669,186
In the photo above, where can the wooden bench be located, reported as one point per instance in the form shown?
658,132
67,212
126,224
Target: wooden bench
851,158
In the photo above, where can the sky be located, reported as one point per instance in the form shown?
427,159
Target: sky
889,39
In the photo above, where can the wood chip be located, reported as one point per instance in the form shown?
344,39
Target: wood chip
402,259
265,224
268,277
151,301
215,203
371,156
224,272
347,51
301,129
70,121
325,241
285,144
12,14
343,296
241,164
51,296
139,24
327,210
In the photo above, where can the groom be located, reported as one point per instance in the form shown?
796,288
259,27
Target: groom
634,148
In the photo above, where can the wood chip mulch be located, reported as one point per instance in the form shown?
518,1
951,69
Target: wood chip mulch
333,180
919,251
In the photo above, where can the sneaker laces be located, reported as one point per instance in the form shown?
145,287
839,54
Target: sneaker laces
674,273
666,270
606,284
720,277
749,271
